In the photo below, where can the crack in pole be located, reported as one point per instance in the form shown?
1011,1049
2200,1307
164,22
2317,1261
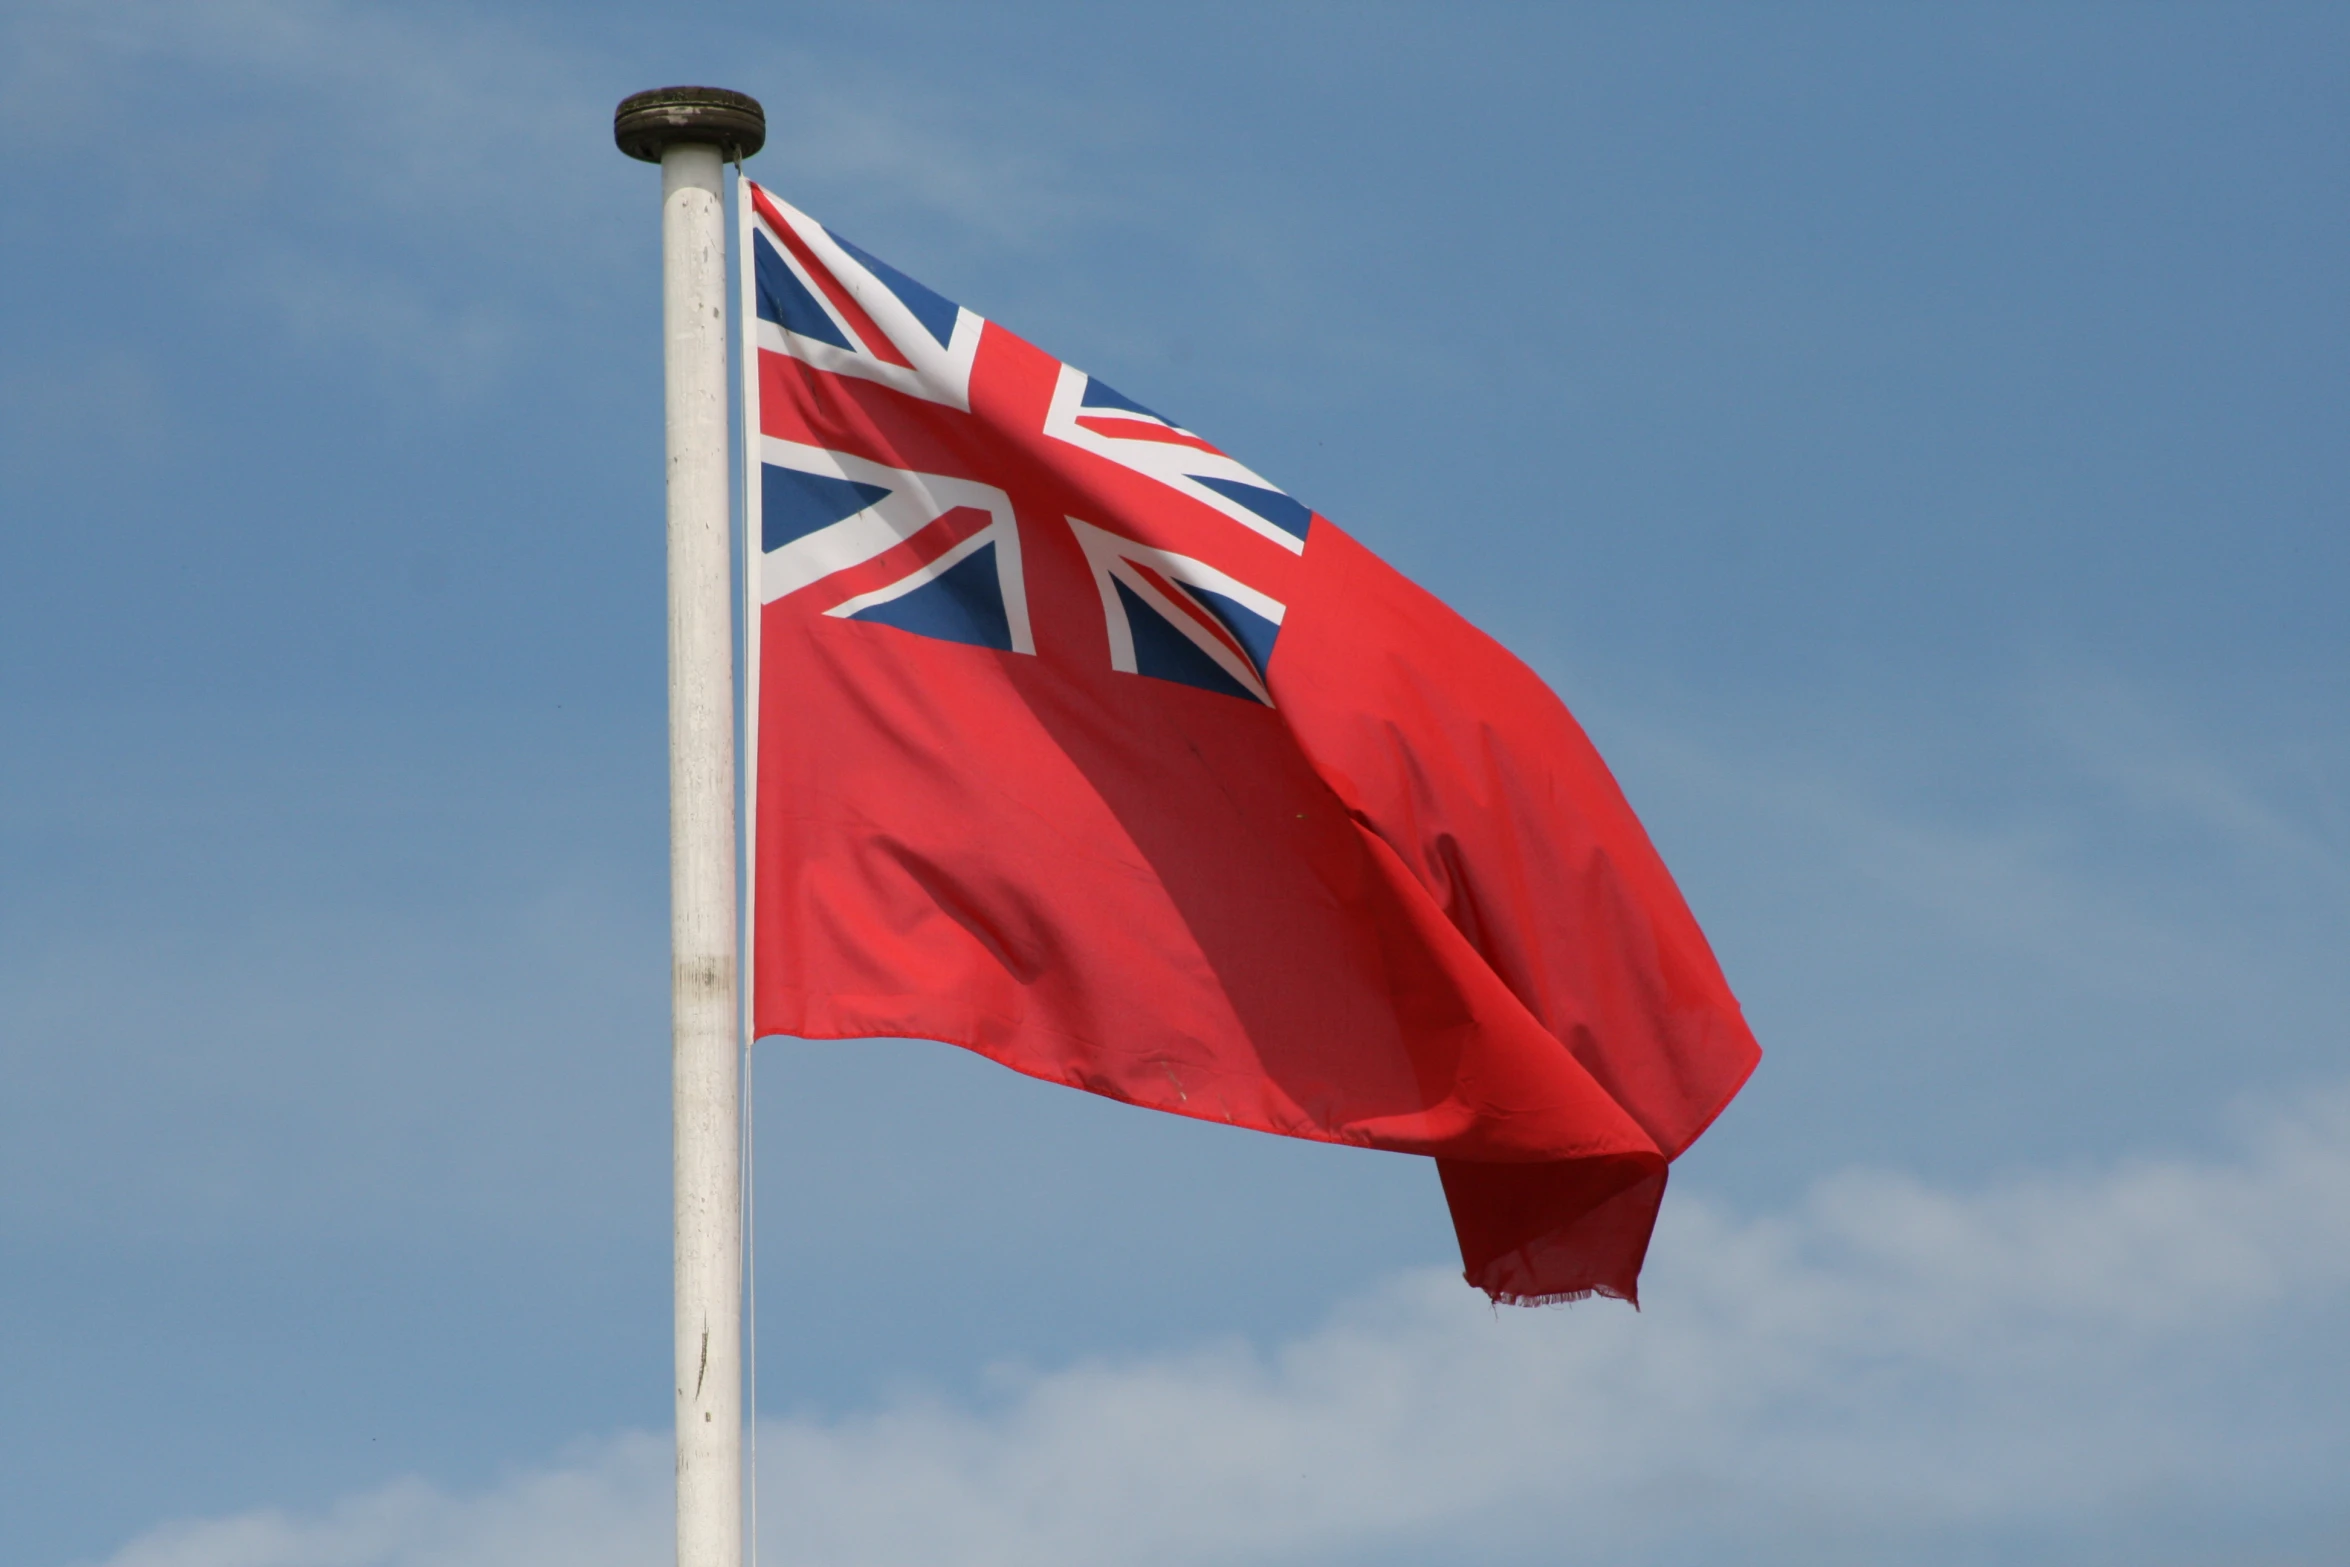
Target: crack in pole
705,1370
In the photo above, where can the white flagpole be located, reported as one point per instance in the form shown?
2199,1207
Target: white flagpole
691,132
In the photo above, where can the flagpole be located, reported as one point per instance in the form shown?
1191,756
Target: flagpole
691,132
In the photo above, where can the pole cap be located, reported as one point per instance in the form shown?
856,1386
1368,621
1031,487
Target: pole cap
648,124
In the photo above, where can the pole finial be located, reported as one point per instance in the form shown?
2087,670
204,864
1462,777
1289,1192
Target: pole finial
648,123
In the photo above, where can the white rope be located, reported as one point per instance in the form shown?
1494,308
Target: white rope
747,356
750,1306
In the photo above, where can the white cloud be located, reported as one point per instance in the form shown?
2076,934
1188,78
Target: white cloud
2068,1367
608,1505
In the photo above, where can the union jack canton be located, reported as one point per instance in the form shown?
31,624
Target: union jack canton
939,476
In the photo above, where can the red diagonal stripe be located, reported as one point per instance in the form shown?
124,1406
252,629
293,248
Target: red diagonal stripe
867,331
1120,428
1184,602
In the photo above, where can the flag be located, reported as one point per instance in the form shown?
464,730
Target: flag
1080,744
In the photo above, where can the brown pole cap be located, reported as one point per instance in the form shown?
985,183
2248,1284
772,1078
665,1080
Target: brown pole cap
648,124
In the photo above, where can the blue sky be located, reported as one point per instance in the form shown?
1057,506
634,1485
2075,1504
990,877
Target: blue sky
1913,440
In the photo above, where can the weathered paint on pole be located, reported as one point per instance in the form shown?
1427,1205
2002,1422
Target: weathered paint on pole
690,131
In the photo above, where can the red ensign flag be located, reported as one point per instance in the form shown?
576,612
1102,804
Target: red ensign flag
1081,745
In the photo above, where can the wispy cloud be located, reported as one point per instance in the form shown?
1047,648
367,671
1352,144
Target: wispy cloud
367,182
2080,840
452,116
2067,1367
605,1506
461,346
49,402
431,191
2248,800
